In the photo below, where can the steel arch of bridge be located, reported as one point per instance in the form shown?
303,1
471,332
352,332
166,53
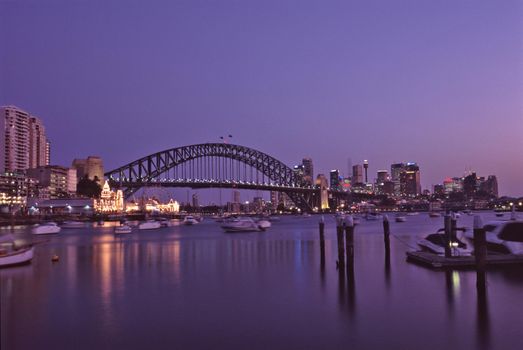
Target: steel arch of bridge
145,172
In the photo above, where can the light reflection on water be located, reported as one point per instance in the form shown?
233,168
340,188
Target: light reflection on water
196,287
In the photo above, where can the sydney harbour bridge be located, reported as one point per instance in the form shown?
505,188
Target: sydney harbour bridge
217,165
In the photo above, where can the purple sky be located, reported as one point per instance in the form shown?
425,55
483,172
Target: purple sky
437,82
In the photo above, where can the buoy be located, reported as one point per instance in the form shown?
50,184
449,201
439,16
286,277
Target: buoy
55,258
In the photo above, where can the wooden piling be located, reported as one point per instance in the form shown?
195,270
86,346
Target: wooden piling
349,239
322,240
480,253
453,228
448,233
341,247
386,233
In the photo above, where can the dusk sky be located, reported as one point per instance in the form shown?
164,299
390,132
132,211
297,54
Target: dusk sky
436,82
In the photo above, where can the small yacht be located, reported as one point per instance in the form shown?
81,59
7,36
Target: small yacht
412,213
190,220
241,225
11,255
73,224
435,243
123,229
373,216
149,225
434,214
503,236
46,229
263,224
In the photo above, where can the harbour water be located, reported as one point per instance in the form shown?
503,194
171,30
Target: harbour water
195,287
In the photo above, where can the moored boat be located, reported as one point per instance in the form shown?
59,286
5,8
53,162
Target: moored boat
15,256
435,243
46,229
503,236
149,225
434,214
190,220
73,224
400,218
241,225
123,229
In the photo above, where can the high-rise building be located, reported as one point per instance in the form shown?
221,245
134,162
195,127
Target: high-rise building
236,196
23,140
382,176
195,201
308,171
490,186
357,174
335,180
410,181
395,174
92,168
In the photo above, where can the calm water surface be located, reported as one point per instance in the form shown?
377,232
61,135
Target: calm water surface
195,287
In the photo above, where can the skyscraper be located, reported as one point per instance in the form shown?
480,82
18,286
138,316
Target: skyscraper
335,180
357,174
395,174
410,180
308,171
366,167
24,141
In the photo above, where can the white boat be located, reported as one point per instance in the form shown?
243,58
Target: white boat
190,220
241,225
73,224
503,236
400,218
263,224
123,229
434,214
46,229
412,213
435,243
149,225
15,256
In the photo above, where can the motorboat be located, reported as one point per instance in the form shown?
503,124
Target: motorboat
190,220
123,229
435,243
149,225
503,236
499,214
434,214
400,218
241,225
412,213
165,222
73,224
46,229
263,224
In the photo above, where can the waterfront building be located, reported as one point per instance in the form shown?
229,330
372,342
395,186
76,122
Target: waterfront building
109,201
357,174
308,171
53,181
410,182
171,207
92,167
15,189
23,139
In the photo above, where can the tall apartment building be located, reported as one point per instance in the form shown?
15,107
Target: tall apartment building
24,141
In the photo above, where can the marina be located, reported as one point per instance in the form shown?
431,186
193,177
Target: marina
272,290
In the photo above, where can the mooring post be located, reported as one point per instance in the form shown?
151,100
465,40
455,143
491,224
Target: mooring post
386,233
513,212
341,248
349,238
448,234
480,253
322,240
453,227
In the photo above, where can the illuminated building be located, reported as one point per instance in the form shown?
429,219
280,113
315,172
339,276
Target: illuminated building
170,208
395,173
195,201
110,201
23,140
53,181
410,180
335,180
366,167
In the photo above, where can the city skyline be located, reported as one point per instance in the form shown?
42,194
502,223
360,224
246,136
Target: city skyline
378,81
